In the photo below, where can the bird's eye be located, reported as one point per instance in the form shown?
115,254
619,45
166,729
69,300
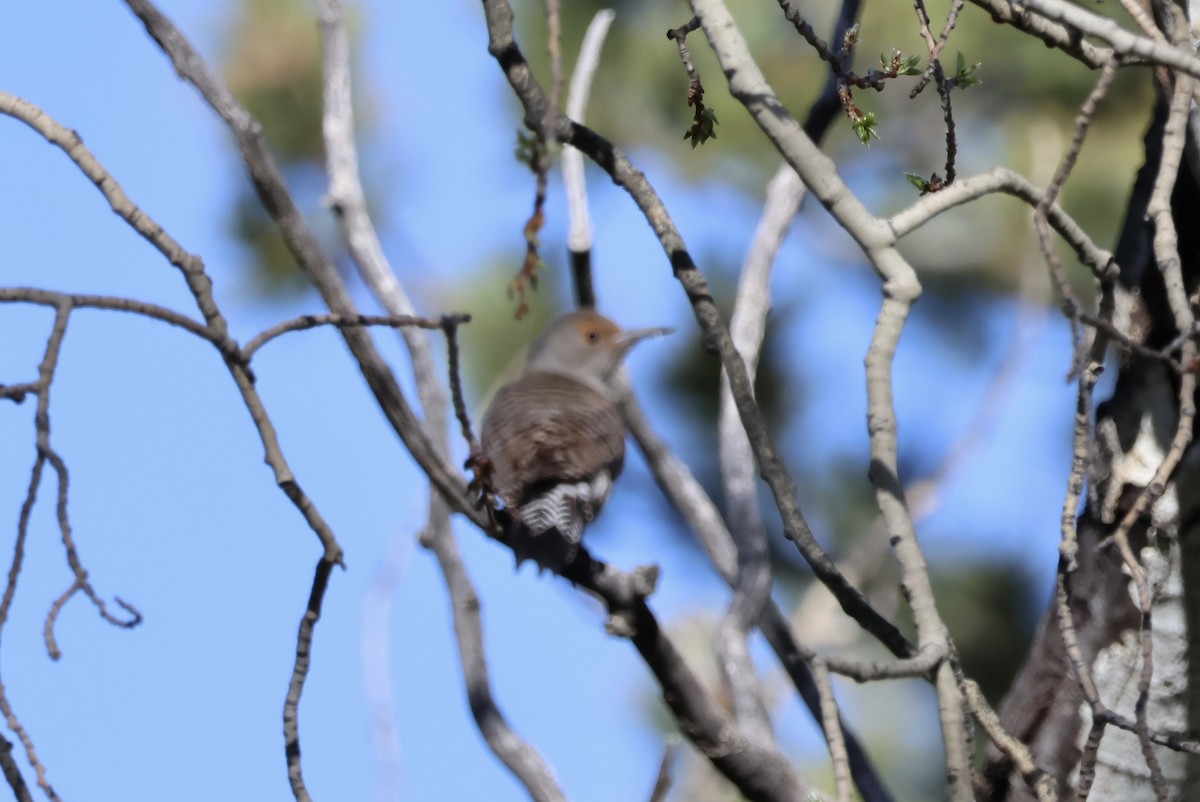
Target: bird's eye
593,335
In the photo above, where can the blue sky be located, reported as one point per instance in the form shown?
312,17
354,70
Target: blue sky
174,510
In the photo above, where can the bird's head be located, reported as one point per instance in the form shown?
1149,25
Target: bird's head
586,346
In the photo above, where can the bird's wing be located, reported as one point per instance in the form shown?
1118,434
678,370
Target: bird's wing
545,429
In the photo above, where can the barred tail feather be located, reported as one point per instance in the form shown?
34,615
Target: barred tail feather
551,524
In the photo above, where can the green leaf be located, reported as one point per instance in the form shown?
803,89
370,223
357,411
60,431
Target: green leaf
964,75
918,181
866,128
703,129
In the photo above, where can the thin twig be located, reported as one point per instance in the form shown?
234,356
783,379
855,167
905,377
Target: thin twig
1088,758
522,760
300,666
305,322
1070,302
943,86
935,52
554,50
1043,784
45,377
703,120
1069,545
662,782
450,327
51,298
831,723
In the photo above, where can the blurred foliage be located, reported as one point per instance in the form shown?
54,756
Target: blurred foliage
697,377
273,67
991,610
272,63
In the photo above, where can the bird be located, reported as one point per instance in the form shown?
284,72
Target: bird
555,438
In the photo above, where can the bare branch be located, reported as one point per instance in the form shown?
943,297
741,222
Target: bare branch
1053,34
45,376
305,322
12,772
1125,44
943,86
831,723
84,301
190,266
753,583
901,288
935,49
554,51
760,774
1001,179
291,705
1070,303
1041,782
521,759
579,234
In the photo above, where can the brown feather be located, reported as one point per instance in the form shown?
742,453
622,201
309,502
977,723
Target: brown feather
546,428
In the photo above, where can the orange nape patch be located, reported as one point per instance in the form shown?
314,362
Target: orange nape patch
594,326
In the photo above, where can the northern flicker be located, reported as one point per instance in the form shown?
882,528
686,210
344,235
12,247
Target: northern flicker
555,436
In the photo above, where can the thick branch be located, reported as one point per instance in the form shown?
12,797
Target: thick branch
1125,43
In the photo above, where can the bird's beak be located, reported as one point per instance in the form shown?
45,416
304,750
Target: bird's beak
631,337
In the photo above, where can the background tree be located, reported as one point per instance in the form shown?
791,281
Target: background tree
160,494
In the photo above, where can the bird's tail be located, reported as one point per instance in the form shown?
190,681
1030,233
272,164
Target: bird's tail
548,549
